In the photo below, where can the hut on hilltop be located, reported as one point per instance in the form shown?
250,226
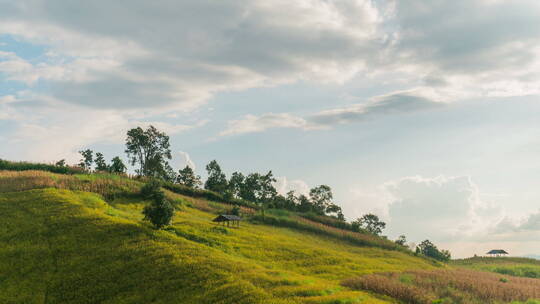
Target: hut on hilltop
497,252
228,218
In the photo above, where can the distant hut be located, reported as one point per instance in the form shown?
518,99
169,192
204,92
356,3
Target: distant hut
228,218
497,252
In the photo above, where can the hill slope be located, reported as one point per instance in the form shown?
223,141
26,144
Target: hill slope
62,246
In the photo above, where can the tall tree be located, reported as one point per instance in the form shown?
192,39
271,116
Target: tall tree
321,197
87,159
150,150
101,165
371,223
117,165
188,178
217,181
236,182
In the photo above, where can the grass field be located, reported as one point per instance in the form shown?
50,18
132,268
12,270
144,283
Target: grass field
81,239
520,267
62,246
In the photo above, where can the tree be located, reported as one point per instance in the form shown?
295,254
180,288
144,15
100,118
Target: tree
371,223
188,178
429,249
150,150
117,165
217,181
87,159
304,204
266,190
61,163
321,197
250,187
101,165
236,182
160,211
401,240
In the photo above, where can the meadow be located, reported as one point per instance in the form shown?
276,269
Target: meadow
91,249
81,239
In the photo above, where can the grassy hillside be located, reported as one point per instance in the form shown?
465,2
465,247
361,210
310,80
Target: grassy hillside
520,267
62,246
81,239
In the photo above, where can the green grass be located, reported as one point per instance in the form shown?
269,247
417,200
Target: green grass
81,239
519,267
61,246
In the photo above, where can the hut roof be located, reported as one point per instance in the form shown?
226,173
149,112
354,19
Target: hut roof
227,217
497,251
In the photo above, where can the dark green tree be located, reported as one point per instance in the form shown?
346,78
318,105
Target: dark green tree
149,149
429,249
250,187
61,163
188,178
117,166
321,198
101,165
87,159
236,182
160,211
304,204
217,181
371,223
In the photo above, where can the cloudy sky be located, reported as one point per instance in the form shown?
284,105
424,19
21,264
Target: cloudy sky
424,112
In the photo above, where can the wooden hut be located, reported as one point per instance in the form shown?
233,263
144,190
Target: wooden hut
497,252
228,218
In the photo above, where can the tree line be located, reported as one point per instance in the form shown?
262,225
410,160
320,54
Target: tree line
148,151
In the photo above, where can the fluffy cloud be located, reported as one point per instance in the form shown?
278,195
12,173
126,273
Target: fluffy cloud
284,185
440,208
183,52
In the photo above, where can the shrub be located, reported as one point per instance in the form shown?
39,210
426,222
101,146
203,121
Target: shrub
160,212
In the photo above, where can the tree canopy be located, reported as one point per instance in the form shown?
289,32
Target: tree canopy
149,149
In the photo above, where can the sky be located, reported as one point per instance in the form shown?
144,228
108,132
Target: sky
425,113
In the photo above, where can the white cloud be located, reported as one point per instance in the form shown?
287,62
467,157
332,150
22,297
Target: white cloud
176,58
45,130
284,185
252,123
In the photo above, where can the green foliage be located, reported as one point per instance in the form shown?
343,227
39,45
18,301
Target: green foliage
160,211
101,164
149,149
188,178
321,198
87,159
429,249
216,181
371,223
117,166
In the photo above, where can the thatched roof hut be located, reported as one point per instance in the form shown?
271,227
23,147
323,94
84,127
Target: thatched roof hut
228,218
